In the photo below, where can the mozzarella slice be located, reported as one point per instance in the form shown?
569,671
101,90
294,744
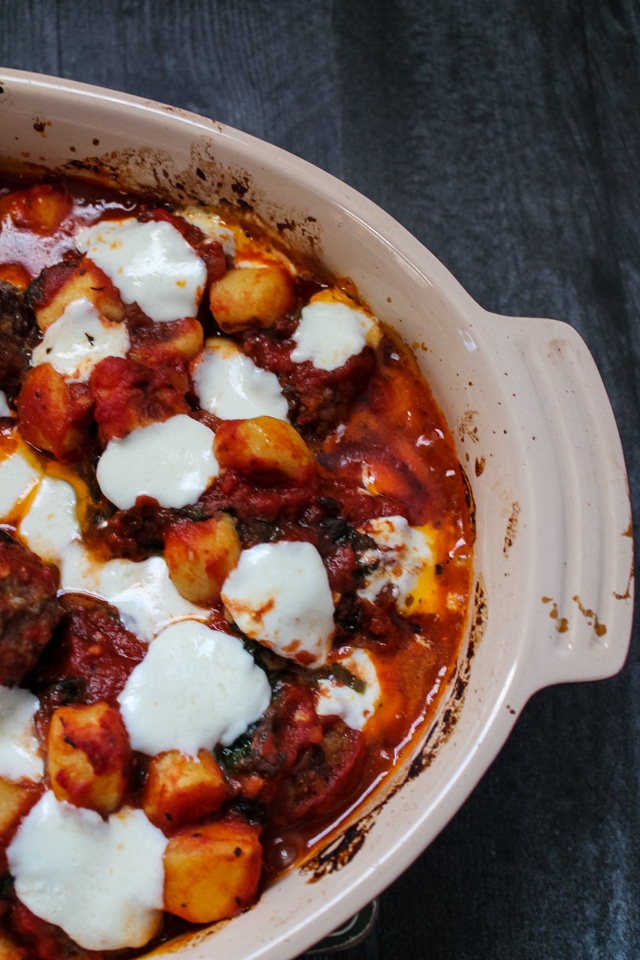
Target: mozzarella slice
20,753
354,704
213,225
150,263
101,881
51,521
404,558
172,461
195,688
330,331
279,594
143,593
18,477
229,384
79,339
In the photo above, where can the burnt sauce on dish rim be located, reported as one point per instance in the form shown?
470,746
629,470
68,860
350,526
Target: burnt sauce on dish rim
235,564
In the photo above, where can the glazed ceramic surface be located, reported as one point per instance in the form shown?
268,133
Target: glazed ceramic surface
553,594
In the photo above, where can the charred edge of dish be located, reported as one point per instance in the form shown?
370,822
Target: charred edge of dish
144,172
241,187
467,427
341,851
445,724
205,182
236,188
469,500
89,166
512,528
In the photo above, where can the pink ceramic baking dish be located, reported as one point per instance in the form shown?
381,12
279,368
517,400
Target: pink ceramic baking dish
535,433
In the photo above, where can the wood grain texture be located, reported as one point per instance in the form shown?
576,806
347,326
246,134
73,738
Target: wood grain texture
505,134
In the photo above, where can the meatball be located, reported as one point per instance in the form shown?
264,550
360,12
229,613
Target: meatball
29,609
18,336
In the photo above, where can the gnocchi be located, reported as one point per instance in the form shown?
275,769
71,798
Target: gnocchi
200,556
212,872
88,755
213,475
247,296
265,448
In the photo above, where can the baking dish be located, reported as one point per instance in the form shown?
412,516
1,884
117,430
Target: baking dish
535,433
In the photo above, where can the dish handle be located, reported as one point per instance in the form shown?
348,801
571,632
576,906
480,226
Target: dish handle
578,521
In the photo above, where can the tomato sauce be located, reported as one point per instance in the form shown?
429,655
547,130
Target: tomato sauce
380,449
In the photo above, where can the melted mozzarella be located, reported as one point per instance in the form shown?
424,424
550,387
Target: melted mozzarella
214,227
279,594
51,521
172,461
330,331
101,881
5,409
229,384
143,593
18,477
195,688
79,339
403,559
353,704
150,263
20,754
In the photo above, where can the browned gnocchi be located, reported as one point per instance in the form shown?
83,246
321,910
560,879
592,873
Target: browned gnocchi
247,554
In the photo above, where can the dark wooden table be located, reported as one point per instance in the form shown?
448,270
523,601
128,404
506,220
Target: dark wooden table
506,136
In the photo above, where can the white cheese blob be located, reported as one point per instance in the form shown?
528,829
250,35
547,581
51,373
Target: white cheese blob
329,332
403,559
143,593
18,477
51,521
101,881
172,461
229,384
150,263
79,339
213,226
5,409
279,594
354,704
20,753
195,688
